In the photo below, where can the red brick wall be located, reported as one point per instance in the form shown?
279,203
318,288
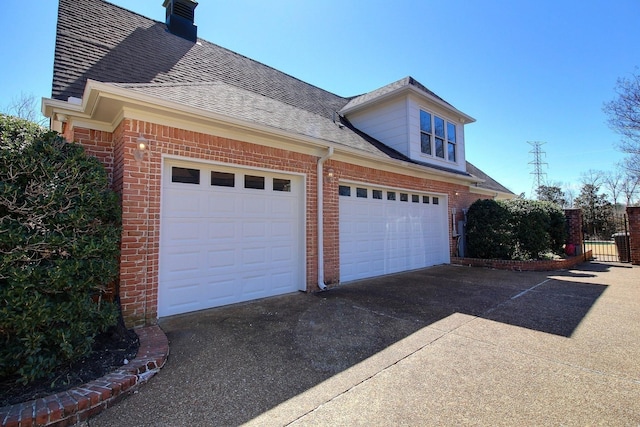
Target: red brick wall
139,185
633,213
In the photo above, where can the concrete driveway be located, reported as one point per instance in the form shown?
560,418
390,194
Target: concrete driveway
442,346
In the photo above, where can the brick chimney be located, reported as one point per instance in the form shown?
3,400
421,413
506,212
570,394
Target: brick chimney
180,18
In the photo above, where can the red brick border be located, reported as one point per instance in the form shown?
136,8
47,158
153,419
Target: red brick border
70,407
534,265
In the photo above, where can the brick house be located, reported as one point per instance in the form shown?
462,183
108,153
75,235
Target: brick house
229,170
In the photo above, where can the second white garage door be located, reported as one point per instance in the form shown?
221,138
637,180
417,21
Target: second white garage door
385,231
228,235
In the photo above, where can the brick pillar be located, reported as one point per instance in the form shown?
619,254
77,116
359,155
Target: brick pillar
633,213
574,222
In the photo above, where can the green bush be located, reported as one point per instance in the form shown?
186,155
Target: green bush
489,231
59,244
514,229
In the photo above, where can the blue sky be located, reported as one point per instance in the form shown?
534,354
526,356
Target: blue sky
526,70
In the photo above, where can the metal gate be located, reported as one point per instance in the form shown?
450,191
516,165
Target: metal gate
607,237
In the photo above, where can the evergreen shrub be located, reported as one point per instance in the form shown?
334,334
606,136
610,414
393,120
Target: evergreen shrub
515,229
59,246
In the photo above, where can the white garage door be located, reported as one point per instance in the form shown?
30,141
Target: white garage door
385,231
228,235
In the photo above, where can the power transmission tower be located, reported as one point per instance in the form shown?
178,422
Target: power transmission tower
539,177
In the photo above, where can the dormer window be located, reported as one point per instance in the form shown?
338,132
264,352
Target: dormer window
437,136
425,132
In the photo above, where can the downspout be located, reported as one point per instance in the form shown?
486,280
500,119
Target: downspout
320,178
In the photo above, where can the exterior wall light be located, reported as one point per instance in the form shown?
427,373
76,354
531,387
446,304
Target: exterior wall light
330,175
138,153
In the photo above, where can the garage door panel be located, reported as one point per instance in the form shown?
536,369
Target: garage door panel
284,206
222,291
221,245
221,204
182,297
183,204
254,286
282,230
282,253
253,229
254,206
220,258
183,231
382,236
219,229
184,263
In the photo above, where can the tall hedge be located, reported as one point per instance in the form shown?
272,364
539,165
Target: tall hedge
59,245
515,229
489,230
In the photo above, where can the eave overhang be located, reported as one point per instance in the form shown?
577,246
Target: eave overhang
104,106
404,91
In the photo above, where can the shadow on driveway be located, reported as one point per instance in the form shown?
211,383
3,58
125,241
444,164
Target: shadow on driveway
230,364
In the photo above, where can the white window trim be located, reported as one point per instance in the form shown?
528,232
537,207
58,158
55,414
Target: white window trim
432,137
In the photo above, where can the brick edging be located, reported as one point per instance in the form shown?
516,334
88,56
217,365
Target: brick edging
70,407
533,265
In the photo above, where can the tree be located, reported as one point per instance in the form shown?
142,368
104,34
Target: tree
570,194
553,194
26,107
597,212
630,188
612,182
592,177
624,119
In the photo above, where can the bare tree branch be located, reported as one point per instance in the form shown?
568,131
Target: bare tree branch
624,119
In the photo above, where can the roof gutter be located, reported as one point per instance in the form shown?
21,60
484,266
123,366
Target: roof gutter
319,177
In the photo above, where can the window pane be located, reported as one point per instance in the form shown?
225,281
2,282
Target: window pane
451,132
452,152
344,190
415,198
425,199
440,147
439,124
281,184
223,179
425,143
377,194
256,182
404,197
436,201
185,175
425,121
361,192
391,195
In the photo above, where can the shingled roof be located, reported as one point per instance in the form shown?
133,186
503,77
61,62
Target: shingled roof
94,38
392,87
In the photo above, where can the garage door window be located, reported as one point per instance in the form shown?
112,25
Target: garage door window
404,197
377,194
361,192
425,199
223,179
185,175
391,195
344,190
281,184
255,182
436,201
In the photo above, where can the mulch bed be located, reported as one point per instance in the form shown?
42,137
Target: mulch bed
109,352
